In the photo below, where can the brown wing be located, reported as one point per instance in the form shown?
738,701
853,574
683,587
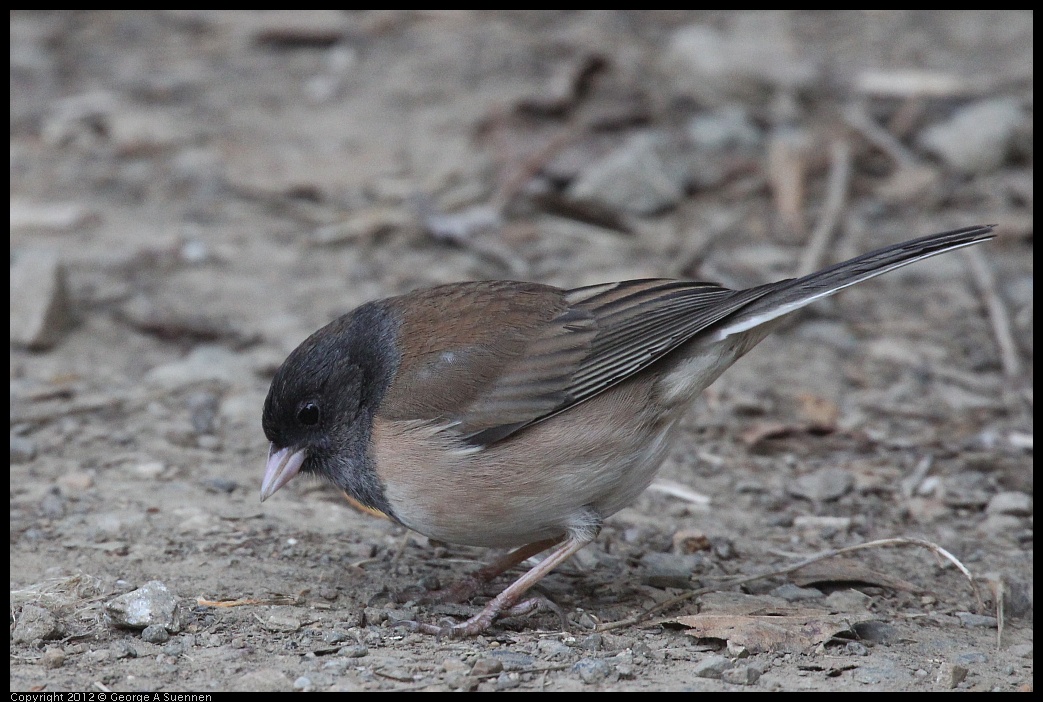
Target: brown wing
532,351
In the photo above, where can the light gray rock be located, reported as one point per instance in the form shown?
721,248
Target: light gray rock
40,306
151,604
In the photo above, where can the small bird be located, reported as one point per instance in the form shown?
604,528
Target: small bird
518,415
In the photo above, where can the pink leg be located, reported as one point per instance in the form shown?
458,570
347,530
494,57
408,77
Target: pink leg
467,587
510,596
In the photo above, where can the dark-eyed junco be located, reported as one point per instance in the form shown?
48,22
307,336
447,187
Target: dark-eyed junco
510,414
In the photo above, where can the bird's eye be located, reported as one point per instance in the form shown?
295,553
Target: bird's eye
308,414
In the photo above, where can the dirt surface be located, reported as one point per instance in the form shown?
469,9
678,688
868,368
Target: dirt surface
216,186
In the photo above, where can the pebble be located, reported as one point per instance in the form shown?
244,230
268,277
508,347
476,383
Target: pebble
553,649
664,570
794,593
36,623
848,601
40,306
155,633
822,486
150,604
514,660
977,138
486,666
1018,504
971,620
508,681
264,680
742,675
711,667
876,632
950,676
746,62
53,658
633,178
593,670
23,450
206,362
281,621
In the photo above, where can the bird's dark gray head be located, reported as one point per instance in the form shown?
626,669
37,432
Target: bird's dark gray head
324,396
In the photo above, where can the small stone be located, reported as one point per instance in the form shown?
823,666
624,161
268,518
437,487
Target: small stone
357,651
822,486
854,648
508,681
1000,525
1018,504
263,680
794,593
876,632
150,604
484,667
40,306
53,658
711,667
155,633
737,650
553,649
978,138
36,623
951,675
23,450
150,470
303,683
1022,650
971,620
52,506
741,675
281,621
848,601
514,660
664,570
123,649
592,670
633,178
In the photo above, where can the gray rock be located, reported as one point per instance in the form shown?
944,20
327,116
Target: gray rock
484,667
513,660
876,632
794,593
1018,504
53,658
35,624
150,604
742,675
950,676
205,362
40,306
711,667
155,633
668,569
971,620
726,128
508,681
822,485
748,61
23,450
977,138
633,178
264,680
593,670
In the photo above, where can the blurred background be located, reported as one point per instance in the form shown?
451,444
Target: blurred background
194,192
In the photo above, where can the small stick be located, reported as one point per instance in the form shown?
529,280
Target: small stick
1001,326
832,209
